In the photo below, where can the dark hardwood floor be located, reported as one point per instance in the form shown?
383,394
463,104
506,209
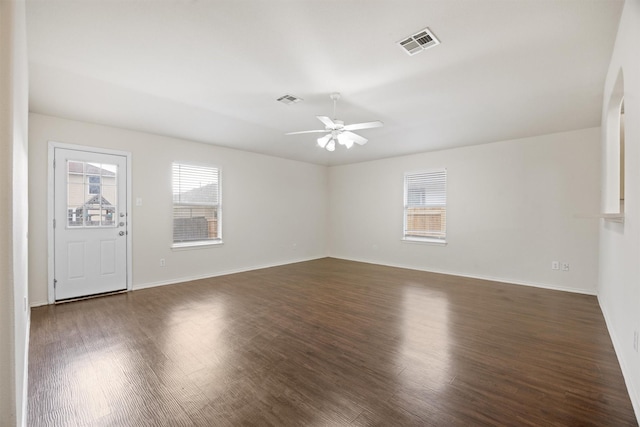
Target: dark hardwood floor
327,343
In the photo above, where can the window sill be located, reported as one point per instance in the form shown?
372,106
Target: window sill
613,217
609,217
424,240
196,245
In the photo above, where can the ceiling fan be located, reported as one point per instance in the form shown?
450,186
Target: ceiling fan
338,131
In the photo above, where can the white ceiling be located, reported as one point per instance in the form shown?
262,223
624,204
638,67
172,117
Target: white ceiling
211,71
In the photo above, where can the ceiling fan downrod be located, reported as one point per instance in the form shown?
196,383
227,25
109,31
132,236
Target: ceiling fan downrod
334,96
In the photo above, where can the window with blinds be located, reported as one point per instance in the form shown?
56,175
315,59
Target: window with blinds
425,206
196,205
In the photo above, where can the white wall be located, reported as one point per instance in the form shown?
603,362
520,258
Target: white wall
7,319
14,314
510,211
619,280
274,210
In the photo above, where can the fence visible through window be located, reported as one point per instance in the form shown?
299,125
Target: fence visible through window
425,205
196,204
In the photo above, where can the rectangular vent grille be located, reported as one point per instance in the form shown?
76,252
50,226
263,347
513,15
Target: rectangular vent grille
418,42
289,99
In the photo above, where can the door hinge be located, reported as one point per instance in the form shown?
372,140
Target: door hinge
55,282
54,163
54,223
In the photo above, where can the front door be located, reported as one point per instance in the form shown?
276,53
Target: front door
90,223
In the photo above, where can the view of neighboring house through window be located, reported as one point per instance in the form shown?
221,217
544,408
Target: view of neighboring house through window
196,205
94,184
91,194
425,206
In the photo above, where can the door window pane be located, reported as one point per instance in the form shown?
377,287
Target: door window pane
94,184
91,194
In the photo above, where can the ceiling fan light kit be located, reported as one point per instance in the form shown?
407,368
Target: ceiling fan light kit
337,131
323,140
331,146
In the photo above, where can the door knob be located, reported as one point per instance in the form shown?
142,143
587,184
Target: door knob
121,233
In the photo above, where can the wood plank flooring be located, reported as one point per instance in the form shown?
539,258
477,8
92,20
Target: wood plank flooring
327,343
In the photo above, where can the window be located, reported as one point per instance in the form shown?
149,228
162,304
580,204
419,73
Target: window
425,206
196,205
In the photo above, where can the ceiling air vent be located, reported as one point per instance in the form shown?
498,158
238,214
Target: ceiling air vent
289,99
418,42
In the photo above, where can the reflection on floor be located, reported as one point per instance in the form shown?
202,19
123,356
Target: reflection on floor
323,343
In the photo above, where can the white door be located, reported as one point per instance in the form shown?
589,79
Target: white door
90,223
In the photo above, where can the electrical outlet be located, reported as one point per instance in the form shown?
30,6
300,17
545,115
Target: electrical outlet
162,262
555,265
565,266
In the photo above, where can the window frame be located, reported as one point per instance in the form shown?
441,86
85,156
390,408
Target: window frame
423,239
218,208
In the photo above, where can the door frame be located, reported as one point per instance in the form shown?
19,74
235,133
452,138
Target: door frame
50,211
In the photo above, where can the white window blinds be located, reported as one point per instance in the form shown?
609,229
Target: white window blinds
425,205
196,204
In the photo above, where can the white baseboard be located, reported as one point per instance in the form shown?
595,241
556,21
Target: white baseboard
217,274
198,277
626,372
475,276
257,267
38,303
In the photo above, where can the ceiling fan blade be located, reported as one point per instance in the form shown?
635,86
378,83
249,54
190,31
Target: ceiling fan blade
327,121
355,137
367,125
306,131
